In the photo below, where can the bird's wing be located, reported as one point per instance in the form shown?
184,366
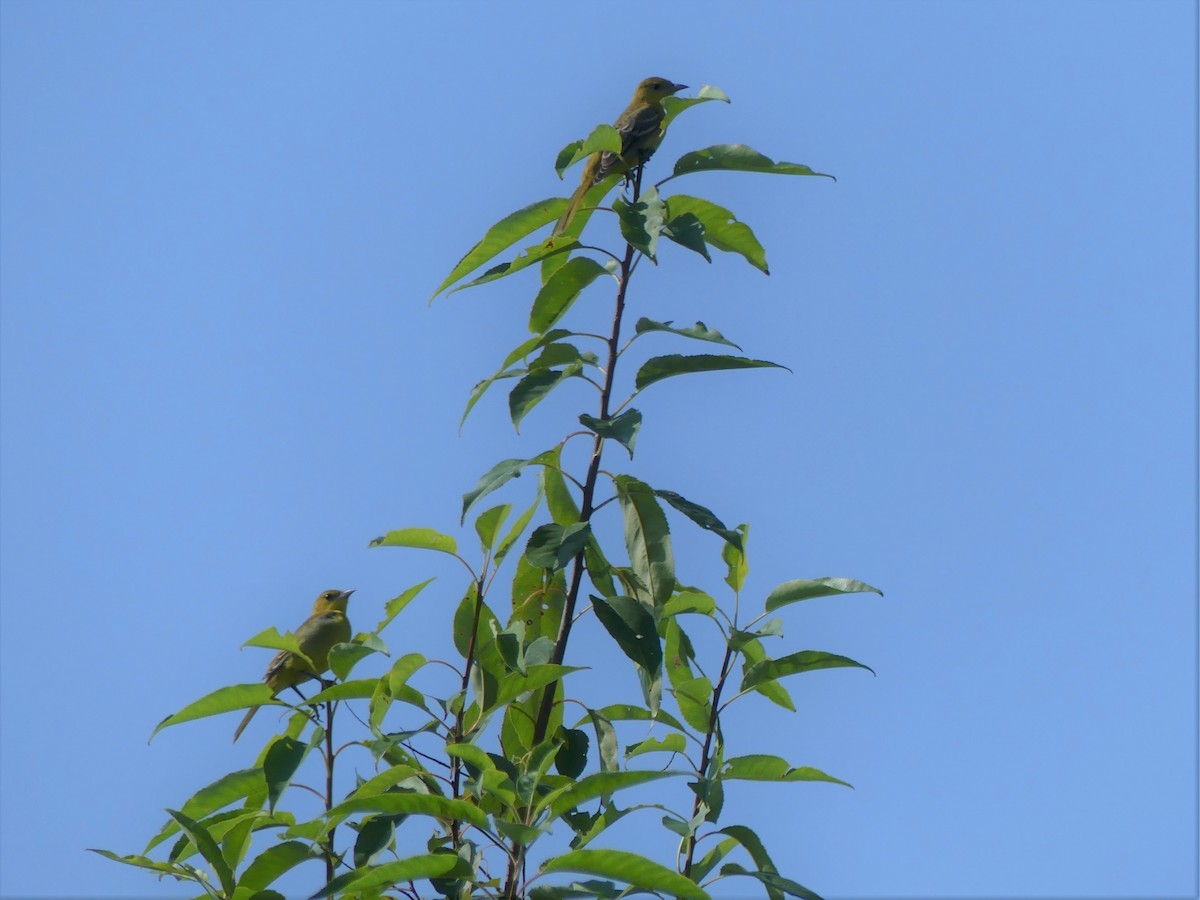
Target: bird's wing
276,666
635,128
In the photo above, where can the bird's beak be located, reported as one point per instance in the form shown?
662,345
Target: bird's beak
346,594
676,88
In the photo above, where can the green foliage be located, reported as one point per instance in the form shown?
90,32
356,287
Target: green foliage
468,762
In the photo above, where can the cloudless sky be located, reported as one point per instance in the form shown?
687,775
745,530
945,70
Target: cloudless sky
221,224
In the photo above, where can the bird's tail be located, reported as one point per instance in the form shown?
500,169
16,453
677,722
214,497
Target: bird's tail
246,721
572,208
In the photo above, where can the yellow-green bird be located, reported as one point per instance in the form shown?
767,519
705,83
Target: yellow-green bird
640,128
326,626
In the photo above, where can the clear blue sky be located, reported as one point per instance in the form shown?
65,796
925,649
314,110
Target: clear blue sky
220,227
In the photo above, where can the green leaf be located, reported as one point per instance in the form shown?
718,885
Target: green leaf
483,625
699,331
687,231
623,428
519,526
737,566
795,663
504,234
559,502
560,353
628,867
633,627
533,389
754,846
600,784
603,137
641,222
481,388
647,538
222,700
537,342
599,570
390,778
396,605
737,158
739,638
221,793
489,523
374,836
143,862
762,767
702,516
230,829
561,291
805,589
515,684
509,643
626,712
344,656
718,227
710,859
271,863
271,639
711,794
473,755
282,760
606,740
694,696
393,686
752,653
571,758
689,600
516,831
772,881
521,351
208,848
419,539
675,105
359,689
671,743
552,546
430,865
403,669
659,367
563,243
407,803
496,477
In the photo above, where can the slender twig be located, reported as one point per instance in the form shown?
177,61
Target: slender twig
606,253
592,383
603,503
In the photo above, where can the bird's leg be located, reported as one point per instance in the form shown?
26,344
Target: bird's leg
311,713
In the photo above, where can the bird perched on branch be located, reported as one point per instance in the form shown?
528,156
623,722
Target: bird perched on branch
326,626
640,128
